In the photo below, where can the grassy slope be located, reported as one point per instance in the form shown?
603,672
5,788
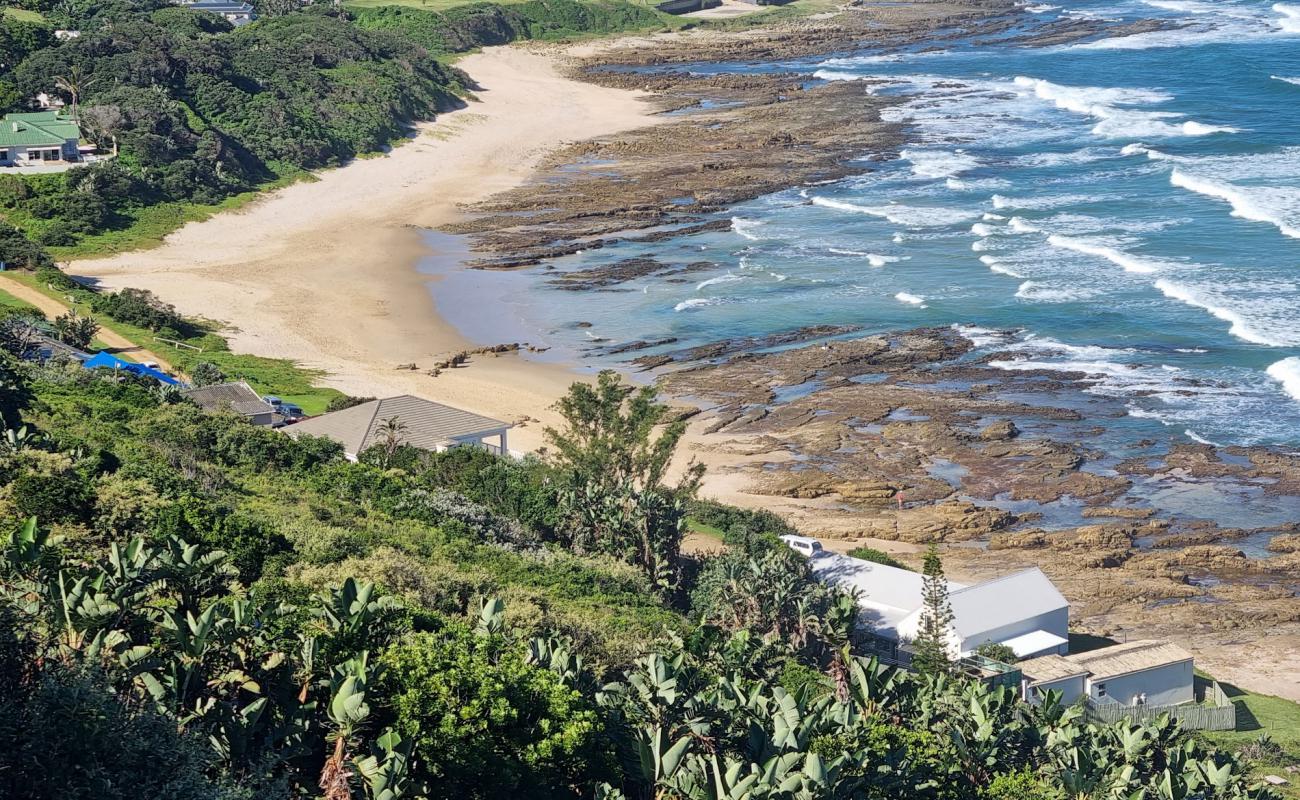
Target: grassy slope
22,15
1259,714
280,377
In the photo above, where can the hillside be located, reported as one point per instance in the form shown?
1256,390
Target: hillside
197,607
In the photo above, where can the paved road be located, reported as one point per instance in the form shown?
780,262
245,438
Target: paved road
52,308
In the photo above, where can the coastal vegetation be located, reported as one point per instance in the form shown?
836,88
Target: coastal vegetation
197,607
200,116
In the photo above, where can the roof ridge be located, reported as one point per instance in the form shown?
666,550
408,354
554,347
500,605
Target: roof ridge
1001,578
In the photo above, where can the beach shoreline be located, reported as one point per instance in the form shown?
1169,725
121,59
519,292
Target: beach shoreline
327,273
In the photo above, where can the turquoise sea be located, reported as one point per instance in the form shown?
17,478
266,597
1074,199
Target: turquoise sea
1128,208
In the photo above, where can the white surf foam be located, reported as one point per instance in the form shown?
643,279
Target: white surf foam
1125,261
1111,108
1033,290
746,228
1020,226
1239,325
1191,434
696,302
1252,204
980,229
980,337
1287,373
899,214
938,163
1290,19
910,299
1292,81
995,265
727,278
876,260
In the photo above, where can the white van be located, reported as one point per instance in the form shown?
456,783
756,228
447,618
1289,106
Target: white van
803,545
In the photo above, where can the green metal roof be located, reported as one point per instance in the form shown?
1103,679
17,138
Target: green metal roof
36,129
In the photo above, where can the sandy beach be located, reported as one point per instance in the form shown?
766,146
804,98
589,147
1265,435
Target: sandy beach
324,272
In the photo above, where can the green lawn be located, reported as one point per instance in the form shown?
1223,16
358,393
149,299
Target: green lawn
1262,714
9,301
22,14
695,526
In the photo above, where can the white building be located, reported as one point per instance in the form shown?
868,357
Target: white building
236,12
1131,674
1024,610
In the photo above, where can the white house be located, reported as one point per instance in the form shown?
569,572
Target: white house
1137,673
38,137
1024,610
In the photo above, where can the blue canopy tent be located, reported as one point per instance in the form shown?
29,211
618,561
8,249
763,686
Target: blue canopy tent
110,361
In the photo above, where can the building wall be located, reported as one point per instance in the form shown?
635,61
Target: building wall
1166,685
1071,689
1057,622
18,154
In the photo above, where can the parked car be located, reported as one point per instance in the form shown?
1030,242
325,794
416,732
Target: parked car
290,410
803,545
272,400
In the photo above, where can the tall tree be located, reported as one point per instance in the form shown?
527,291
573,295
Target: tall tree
609,438
613,455
931,643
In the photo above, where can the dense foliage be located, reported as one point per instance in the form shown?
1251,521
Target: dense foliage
197,111
473,25
193,607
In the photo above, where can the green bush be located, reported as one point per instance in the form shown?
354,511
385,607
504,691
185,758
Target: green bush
484,723
877,556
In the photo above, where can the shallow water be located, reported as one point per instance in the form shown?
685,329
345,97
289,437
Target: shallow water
1128,208
1131,207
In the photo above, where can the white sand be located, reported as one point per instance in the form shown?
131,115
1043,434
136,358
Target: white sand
324,272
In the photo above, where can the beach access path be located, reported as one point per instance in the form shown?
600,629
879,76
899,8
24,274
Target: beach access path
325,272
51,308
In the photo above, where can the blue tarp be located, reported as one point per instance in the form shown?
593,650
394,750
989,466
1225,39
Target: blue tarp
110,361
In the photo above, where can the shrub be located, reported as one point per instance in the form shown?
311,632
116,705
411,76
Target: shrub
725,517
483,722
998,652
877,556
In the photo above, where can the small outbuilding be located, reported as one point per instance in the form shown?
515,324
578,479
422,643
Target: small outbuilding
1145,672
414,421
236,397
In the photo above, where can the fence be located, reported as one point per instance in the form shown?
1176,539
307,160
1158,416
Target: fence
1215,712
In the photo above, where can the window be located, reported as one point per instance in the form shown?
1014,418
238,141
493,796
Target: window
4,155
1101,690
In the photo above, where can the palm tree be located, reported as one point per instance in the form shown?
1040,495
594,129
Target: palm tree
74,83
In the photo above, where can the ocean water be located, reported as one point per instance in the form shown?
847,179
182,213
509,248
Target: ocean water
1128,208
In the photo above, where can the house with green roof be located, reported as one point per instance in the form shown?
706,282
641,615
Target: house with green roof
38,137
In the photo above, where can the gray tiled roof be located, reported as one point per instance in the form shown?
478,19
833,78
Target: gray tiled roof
427,424
237,397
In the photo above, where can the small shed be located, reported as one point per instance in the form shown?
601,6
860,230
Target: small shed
237,397
104,360
1145,672
1053,673
413,420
